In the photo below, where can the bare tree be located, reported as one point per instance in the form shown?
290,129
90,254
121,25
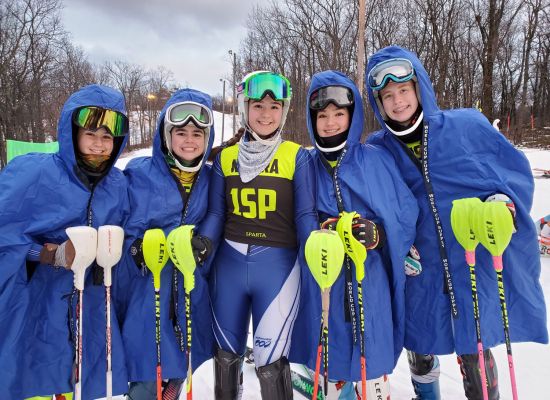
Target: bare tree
31,32
534,8
494,18
70,71
541,79
128,78
496,52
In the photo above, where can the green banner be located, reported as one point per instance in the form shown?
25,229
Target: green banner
16,148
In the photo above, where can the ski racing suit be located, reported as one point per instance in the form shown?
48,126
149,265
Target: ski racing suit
256,271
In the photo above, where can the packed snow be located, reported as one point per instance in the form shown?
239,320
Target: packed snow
532,361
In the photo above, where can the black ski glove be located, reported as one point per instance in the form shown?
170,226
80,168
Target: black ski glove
202,246
136,250
367,232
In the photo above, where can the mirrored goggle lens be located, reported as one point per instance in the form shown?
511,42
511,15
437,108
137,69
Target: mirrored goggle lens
93,118
258,85
181,113
397,70
339,95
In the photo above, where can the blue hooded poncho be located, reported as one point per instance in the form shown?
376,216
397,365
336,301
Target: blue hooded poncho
467,157
40,196
156,202
370,184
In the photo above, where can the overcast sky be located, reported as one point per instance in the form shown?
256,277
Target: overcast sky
189,37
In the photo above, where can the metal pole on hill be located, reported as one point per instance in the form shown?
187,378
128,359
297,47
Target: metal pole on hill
223,105
231,52
360,74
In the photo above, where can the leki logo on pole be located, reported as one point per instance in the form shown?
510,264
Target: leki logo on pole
154,254
324,253
181,254
494,225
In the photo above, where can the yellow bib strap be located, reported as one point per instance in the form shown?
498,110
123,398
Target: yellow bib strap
63,396
282,165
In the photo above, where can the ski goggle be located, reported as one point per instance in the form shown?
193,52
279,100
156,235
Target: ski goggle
180,114
340,96
258,85
93,118
396,69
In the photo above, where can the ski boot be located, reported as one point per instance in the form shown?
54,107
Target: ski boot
228,376
471,378
275,380
426,391
425,375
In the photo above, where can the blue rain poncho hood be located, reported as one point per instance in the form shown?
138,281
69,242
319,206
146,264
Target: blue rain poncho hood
157,201
40,196
336,78
368,181
423,82
92,95
465,157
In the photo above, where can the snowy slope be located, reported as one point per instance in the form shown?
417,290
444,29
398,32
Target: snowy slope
532,361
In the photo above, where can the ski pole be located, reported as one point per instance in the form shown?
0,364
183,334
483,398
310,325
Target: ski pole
155,256
110,239
358,254
493,225
84,240
324,255
181,254
461,213
349,299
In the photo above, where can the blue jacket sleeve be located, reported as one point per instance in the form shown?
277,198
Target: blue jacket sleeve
18,199
305,192
33,254
212,226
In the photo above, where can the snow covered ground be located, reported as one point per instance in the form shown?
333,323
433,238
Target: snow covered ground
532,361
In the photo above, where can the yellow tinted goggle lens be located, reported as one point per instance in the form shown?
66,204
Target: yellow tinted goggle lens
95,117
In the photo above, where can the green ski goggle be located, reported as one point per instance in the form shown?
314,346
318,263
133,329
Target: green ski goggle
259,85
93,118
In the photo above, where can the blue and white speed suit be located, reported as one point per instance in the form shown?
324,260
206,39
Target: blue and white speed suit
256,270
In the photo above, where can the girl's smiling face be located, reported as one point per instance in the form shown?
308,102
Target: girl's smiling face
187,141
264,116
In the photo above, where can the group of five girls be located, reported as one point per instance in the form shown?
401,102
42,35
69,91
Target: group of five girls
253,210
